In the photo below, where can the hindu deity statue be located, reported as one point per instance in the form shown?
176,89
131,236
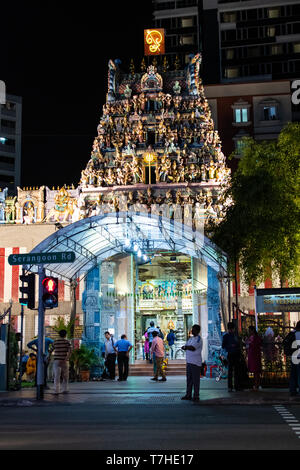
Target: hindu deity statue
127,91
109,177
136,170
177,88
28,213
211,170
164,169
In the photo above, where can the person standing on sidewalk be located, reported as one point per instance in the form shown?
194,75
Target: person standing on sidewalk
231,345
171,341
150,331
110,355
193,348
158,349
62,352
123,348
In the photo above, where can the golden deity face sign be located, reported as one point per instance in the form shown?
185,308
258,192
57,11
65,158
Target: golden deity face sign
154,41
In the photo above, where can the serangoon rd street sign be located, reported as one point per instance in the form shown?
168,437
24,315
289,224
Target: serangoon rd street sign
42,258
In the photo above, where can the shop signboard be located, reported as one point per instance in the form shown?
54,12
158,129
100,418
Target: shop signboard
278,300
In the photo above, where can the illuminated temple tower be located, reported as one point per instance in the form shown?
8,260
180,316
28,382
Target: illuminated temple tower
156,152
156,142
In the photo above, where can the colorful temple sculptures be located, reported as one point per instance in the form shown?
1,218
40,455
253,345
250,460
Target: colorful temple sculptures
155,143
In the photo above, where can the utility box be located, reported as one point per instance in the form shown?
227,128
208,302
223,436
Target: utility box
3,365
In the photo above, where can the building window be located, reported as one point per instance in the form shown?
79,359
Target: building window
187,22
271,31
270,113
239,144
254,51
186,40
241,115
232,72
187,58
7,179
276,49
273,12
8,124
229,54
229,17
296,48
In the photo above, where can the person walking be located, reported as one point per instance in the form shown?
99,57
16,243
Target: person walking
123,348
291,346
193,348
231,345
110,355
253,346
62,352
150,331
171,338
157,348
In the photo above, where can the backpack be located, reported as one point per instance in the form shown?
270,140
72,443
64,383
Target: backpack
287,343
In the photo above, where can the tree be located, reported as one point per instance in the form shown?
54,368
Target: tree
261,226
61,324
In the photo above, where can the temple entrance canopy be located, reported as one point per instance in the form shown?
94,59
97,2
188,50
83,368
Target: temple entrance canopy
114,251
98,238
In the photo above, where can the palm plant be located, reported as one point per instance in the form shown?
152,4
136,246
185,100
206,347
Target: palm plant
83,359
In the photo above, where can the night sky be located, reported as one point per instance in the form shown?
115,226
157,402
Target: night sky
55,56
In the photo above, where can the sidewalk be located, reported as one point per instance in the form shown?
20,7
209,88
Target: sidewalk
140,390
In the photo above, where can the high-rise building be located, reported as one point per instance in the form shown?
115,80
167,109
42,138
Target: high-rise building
10,142
258,40
240,40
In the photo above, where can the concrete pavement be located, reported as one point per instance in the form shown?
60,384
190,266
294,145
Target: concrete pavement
141,390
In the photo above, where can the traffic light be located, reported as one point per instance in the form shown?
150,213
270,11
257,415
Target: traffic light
50,292
29,290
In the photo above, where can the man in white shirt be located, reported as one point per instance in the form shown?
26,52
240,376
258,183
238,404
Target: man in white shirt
193,348
110,355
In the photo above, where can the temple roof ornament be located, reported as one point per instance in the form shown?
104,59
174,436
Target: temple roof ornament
151,81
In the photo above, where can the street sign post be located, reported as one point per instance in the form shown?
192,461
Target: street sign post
41,259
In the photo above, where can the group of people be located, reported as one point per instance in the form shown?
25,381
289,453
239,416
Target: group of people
148,338
61,350
119,351
238,370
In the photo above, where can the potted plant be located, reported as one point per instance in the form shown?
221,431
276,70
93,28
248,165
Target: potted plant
83,359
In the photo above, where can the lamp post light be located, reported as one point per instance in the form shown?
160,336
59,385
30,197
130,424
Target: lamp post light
149,157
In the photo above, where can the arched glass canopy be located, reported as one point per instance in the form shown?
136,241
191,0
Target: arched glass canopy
97,238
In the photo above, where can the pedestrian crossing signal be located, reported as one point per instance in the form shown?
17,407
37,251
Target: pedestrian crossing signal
50,292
